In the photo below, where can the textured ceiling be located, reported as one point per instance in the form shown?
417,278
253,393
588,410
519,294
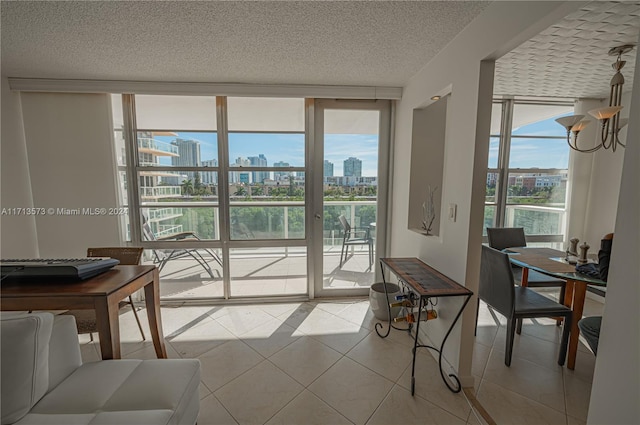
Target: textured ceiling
308,42
570,58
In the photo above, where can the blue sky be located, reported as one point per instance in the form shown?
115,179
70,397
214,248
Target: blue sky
287,148
535,153
525,153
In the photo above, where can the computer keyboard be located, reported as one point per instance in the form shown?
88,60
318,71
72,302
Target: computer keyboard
42,268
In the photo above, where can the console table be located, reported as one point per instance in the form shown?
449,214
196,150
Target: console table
101,293
422,282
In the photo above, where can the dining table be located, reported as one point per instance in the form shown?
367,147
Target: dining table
553,262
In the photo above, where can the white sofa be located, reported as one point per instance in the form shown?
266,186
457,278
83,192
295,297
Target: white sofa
45,382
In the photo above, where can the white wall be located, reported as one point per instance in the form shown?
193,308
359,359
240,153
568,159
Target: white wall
17,232
71,164
604,186
616,381
456,253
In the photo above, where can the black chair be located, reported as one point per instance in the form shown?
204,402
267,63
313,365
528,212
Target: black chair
516,302
501,238
353,236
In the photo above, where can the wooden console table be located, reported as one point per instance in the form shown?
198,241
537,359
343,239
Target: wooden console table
422,282
101,293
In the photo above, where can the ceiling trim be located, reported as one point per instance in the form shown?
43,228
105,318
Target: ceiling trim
201,89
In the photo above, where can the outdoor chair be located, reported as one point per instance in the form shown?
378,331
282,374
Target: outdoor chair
516,302
502,238
162,256
352,237
241,231
128,256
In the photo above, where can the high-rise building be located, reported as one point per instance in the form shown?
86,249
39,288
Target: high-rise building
238,177
259,161
352,167
188,151
328,169
189,155
209,177
281,175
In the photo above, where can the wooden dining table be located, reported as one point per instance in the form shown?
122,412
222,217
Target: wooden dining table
101,293
552,262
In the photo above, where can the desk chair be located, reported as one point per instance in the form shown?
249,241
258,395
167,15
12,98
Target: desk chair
353,236
128,256
501,238
516,302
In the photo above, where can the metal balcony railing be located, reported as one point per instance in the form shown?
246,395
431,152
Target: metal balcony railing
160,191
157,146
163,213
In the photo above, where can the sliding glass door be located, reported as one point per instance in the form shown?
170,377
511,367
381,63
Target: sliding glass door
351,152
242,197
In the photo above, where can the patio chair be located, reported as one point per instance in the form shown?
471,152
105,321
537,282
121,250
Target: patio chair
241,231
86,319
352,237
162,256
516,302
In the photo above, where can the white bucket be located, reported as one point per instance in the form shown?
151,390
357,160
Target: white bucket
380,306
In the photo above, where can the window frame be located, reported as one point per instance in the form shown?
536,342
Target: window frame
503,170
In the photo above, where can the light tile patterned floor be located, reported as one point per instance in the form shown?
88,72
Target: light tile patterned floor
320,363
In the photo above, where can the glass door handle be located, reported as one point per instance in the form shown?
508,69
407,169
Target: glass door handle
317,216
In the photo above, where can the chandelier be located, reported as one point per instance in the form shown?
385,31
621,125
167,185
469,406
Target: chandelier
609,117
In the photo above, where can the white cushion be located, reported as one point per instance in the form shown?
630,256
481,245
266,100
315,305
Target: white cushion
64,350
70,419
25,362
88,388
140,417
145,390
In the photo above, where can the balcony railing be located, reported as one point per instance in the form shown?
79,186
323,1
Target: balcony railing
163,213
168,230
536,219
160,191
157,147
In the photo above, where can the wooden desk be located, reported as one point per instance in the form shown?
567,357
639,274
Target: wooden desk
549,261
101,293
423,282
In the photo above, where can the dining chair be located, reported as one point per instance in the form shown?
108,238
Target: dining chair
516,302
353,236
502,238
128,256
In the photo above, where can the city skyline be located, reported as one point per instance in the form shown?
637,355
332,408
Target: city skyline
285,148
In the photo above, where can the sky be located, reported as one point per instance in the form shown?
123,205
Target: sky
535,153
287,148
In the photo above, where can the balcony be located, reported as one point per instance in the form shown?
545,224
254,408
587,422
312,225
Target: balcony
265,271
159,214
155,147
160,192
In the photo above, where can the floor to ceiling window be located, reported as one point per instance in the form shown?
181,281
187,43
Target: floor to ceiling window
528,170
350,137
219,193
268,248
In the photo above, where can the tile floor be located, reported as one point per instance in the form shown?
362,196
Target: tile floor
321,363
